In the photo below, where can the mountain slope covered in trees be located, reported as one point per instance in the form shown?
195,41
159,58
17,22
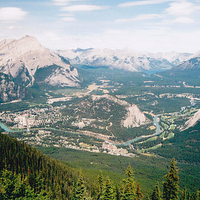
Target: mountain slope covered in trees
26,173
20,158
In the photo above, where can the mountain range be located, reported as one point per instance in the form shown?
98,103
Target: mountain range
26,63
192,63
125,59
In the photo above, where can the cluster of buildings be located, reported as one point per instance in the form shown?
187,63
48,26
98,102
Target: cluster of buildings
113,150
34,117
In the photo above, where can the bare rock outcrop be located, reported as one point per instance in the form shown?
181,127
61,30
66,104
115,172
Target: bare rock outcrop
134,118
193,120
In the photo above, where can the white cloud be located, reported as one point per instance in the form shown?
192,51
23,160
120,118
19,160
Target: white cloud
66,15
179,20
141,3
152,40
68,19
63,2
14,27
184,20
143,17
181,8
78,8
10,14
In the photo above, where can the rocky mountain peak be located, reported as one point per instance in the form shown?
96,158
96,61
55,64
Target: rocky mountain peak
24,57
24,45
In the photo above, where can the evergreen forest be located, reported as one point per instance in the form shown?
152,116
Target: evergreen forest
26,173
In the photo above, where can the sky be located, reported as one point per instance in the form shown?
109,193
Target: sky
141,25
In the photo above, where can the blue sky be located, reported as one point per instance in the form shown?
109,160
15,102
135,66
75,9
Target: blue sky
147,25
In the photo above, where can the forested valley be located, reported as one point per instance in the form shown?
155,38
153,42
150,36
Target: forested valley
26,173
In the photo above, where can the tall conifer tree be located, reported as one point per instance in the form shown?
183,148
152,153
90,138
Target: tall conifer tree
80,192
128,186
138,192
171,183
100,184
108,190
156,193
184,194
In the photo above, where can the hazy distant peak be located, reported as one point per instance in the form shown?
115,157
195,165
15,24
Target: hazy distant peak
195,55
125,59
81,50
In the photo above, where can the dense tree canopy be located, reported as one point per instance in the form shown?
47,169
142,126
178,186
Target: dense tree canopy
26,173
171,183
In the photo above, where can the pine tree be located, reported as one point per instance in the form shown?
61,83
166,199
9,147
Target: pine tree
128,185
80,192
138,192
43,173
58,191
170,185
156,193
118,195
108,191
188,196
100,185
198,194
73,194
147,197
195,195
129,171
184,194
14,186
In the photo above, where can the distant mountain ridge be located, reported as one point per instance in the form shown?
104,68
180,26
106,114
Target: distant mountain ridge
191,64
124,59
188,70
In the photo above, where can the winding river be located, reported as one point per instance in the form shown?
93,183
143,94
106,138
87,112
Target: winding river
5,128
158,132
